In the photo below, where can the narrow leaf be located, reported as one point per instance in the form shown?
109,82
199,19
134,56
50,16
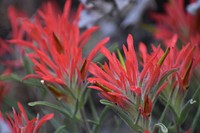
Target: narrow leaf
61,128
125,117
53,106
185,111
121,59
160,126
163,57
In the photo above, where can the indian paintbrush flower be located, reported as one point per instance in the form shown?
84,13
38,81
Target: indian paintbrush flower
121,82
57,45
187,27
20,123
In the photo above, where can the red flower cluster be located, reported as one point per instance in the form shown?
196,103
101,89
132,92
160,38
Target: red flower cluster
57,45
177,20
183,59
122,83
7,61
21,124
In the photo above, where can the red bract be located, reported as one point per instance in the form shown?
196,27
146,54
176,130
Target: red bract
20,123
16,24
183,59
57,45
177,20
7,59
122,83
4,89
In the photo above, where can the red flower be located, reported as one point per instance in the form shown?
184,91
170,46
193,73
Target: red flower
176,20
7,59
183,59
15,17
146,131
189,130
57,45
21,124
4,89
122,83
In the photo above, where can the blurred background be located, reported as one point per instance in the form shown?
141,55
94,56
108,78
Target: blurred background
116,18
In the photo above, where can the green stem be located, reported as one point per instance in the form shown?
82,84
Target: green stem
96,128
146,121
164,112
178,128
196,119
160,126
137,118
94,111
83,115
166,107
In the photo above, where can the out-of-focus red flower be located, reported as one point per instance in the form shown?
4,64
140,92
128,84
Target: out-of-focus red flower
122,83
15,18
146,131
4,89
177,20
7,60
189,130
19,122
57,45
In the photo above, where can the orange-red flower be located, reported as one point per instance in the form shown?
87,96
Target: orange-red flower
15,18
177,20
20,123
57,45
183,59
122,83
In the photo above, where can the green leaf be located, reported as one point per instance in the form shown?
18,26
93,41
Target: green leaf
160,62
160,126
165,76
121,59
195,121
53,106
13,76
100,119
93,122
185,111
76,108
162,80
34,83
61,128
125,117
93,109
84,95
165,101
27,64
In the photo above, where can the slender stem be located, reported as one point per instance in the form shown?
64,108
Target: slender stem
96,128
137,118
196,119
83,115
94,111
155,130
164,112
146,121
160,126
166,107
178,128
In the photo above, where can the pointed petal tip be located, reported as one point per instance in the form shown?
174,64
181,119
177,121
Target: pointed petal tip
130,36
